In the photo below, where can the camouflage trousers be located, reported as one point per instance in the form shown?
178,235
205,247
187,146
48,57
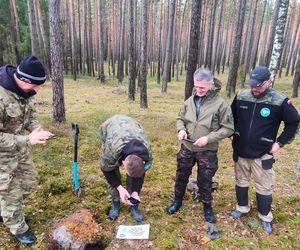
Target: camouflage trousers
18,178
114,193
207,162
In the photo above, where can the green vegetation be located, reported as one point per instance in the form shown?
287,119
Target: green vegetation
89,103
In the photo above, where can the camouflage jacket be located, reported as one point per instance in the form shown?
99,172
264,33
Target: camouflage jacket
115,133
257,120
215,120
16,115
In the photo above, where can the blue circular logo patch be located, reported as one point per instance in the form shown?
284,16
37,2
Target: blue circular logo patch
265,112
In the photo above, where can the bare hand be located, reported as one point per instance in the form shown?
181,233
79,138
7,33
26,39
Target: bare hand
201,142
275,148
124,195
135,195
182,134
39,136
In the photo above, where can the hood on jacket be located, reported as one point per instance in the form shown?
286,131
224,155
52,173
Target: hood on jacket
8,82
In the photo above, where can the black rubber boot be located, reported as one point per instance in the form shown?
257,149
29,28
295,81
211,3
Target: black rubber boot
27,238
1,219
114,210
136,214
175,206
208,213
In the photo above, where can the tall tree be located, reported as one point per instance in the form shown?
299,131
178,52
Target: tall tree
32,28
73,40
210,38
250,38
193,49
235,53
278,39
272,33
121,41
169,47
16,29
101,43
56,61
143,65
296,80
132,73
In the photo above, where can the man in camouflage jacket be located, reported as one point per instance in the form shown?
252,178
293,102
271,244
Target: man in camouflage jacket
205,119
258,113
124,142
18,176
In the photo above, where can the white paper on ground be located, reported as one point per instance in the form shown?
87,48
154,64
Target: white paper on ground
137,232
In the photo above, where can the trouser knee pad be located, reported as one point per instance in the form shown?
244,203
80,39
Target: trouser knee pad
263,203
242,195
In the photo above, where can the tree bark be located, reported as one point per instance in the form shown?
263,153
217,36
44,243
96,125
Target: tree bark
101,43
132,73
143,65
169,47
193,48
296,80
278,39
235,53
272,33
56,61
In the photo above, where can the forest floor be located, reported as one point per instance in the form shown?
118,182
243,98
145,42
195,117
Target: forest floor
89,103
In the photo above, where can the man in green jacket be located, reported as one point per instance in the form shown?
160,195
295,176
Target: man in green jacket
204,120
124,142
18,176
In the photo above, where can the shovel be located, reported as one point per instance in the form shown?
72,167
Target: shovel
75,130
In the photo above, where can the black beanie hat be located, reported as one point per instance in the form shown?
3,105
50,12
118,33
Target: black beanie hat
31,70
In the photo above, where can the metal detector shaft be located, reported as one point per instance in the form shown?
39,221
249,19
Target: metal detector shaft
75,130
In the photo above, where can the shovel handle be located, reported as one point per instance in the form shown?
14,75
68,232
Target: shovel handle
75,130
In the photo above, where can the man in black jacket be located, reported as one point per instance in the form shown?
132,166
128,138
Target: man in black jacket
258,113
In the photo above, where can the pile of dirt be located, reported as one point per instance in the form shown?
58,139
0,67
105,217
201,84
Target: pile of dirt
77,231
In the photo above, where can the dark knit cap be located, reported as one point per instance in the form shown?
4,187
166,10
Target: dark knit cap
31,70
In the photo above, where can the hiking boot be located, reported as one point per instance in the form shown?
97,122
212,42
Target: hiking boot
267,227
174,207
237,214
114,210
27,238
136,214
208,213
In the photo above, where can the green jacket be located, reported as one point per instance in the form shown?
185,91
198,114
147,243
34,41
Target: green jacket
215,120
16,115
115,133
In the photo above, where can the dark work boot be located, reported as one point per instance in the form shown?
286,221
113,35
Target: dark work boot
136,214
27,238
1,219
175,206
208,213
114,210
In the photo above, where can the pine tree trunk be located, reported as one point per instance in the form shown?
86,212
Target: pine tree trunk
169,47
143,66
32,28
56,61
101,43
193,47
16,29
296,80
236,49
132,73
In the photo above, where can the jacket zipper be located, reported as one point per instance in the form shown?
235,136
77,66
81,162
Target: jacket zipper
251,122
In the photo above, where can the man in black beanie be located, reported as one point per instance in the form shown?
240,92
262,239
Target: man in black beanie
18,176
